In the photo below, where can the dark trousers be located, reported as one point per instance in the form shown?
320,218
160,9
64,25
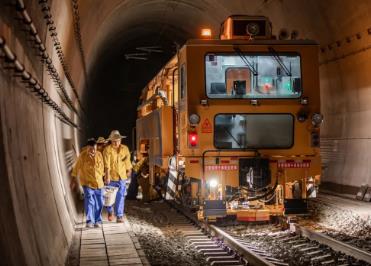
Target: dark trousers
133,187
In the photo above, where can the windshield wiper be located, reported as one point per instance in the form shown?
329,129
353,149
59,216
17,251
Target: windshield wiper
246,61
279,61
230,134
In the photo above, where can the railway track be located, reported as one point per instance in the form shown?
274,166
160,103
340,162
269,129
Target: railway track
302,245
219,247
334,244
331,211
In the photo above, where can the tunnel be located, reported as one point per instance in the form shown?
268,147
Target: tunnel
66,75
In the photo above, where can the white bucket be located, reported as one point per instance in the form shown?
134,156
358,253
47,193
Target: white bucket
109,195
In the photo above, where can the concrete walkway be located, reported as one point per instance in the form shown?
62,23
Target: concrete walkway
113,244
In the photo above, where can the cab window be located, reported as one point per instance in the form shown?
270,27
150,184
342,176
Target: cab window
270,75
252,131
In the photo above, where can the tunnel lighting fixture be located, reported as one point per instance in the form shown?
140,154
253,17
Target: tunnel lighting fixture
213,183
317,119
206,33
304,100
194,119
136,56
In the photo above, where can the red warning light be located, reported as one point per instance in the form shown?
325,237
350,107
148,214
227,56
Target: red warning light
193,139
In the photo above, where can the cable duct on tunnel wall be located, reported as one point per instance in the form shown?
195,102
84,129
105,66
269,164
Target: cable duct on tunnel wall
12,63
78,37
26,19
339,43
57,46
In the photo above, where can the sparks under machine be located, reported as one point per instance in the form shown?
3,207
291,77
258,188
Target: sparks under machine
231,126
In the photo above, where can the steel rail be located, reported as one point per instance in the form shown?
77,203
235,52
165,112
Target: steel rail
250,256
333,243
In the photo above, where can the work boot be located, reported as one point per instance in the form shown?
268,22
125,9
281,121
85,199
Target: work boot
120,220
110,217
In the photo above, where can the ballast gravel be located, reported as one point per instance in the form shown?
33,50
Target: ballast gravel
161,241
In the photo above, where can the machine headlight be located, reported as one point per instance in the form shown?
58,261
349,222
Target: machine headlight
317,119
194,119
213,183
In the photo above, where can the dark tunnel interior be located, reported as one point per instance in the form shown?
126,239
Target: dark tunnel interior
115,82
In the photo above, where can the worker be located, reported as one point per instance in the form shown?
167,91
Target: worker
143,180
101,144
139,168
90,169
143,174
133,186
117,169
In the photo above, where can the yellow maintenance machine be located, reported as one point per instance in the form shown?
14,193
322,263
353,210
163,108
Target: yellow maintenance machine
231,125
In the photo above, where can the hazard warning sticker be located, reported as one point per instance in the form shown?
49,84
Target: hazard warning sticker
206,126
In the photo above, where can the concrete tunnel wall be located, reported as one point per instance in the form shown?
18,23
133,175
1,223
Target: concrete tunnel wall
38,213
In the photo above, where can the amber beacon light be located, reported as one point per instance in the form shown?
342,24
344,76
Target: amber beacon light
206,33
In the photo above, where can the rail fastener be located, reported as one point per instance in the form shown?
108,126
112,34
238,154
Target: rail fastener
250,256
333,243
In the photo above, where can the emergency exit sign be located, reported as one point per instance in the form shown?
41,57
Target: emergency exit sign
293,164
